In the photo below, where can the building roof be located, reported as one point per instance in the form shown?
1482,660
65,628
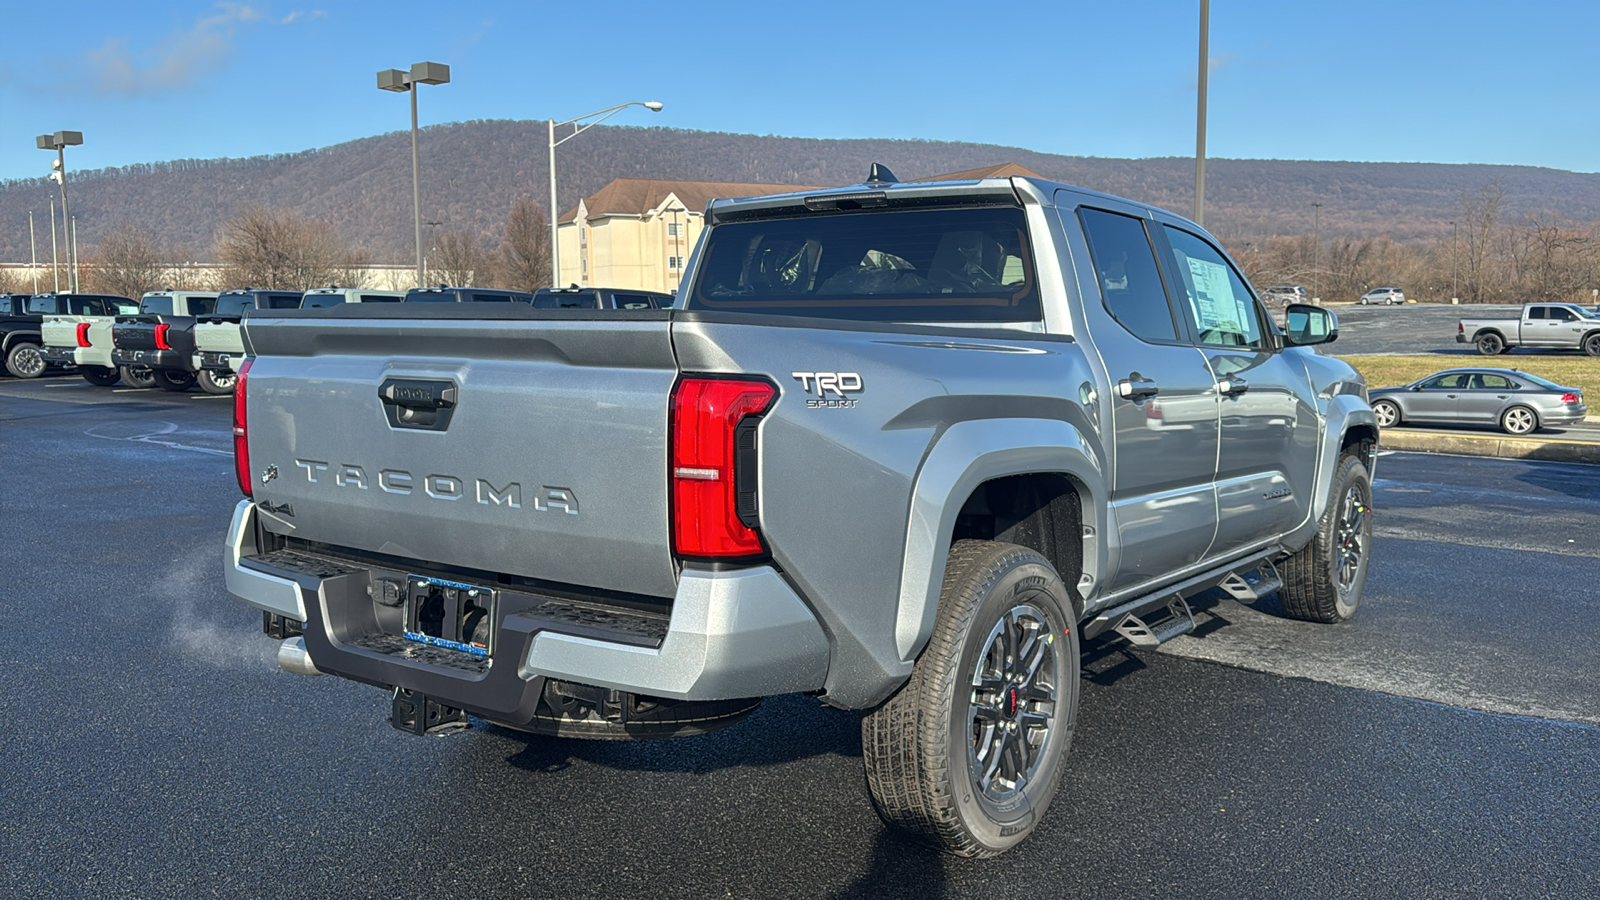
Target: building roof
637,196
1004,170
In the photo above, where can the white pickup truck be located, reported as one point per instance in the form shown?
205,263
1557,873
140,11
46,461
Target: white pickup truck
81,336
1545,326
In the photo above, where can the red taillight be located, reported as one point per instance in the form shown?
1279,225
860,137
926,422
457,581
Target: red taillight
1571,398
708,479
1460,328
161,337
83,334
241,431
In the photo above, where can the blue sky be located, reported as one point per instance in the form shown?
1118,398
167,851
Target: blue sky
1405,80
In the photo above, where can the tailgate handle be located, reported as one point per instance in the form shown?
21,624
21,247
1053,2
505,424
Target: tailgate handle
415,403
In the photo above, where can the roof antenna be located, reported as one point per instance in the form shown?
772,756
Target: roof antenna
880,174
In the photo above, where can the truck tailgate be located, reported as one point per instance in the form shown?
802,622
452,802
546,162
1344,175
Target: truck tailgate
546,457
62,331
218,337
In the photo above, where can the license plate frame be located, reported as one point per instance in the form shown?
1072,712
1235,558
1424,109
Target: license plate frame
451,614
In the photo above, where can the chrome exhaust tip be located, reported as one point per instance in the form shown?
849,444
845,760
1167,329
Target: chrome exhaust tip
293,658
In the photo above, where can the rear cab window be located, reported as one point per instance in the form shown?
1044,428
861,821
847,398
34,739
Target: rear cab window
41,305
930,265
156,306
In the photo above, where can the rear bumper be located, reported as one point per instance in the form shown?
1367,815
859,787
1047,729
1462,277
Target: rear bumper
1569,416
216,361
155,359
59,356
731,634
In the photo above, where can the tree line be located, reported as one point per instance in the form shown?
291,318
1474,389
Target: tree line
280,249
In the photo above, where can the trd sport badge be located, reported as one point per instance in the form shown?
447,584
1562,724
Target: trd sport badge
825,383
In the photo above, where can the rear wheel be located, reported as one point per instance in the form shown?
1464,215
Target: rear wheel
1324,580
173,380
216,382
1591,345
138,376
100,376
1519,420
1491,345
24,360
1387,412
968,754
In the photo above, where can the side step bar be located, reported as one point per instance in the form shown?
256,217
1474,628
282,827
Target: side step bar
1160,616
1179,620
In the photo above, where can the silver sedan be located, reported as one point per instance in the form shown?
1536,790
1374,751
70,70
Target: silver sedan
1516,402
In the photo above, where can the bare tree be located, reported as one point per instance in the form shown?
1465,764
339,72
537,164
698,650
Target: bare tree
1478,214
459,260
264,248
354,270
524,253
126,263
15,281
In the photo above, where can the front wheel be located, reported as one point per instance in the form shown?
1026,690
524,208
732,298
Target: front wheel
1387,412
100,376
172,380
138,376
968,754
24,360
1323,581
213,382
1519,420
1491,345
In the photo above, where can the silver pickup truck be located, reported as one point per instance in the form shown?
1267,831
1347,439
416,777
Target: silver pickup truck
1547,326
903,447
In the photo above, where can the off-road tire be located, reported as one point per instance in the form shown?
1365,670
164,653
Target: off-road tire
100,376
169,380
1316,585
1519,420
138,376
1388,413
213,383
920,746
25,360
1491,345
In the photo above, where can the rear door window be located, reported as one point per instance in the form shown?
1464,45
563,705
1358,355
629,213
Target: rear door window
1130,281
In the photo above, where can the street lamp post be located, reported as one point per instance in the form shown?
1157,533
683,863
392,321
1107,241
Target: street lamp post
59,142
555,211
1316,251
1200,116
1453,288
396,80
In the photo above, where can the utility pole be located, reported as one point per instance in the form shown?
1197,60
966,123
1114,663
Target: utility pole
1200,116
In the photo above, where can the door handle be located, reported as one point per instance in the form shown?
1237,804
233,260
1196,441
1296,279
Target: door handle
1232,386
1137,387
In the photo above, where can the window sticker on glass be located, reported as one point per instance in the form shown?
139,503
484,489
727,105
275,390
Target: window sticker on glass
1215,305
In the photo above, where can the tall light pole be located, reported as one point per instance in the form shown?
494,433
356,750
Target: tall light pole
1200,116
555,211
59,142
1453,287
1316,250
396,80
33,252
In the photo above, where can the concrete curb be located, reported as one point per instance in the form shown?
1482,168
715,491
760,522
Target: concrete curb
1491,445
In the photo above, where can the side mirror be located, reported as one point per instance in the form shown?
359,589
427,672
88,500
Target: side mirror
1309,325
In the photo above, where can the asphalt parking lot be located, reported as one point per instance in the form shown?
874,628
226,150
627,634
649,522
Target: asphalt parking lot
1444,744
